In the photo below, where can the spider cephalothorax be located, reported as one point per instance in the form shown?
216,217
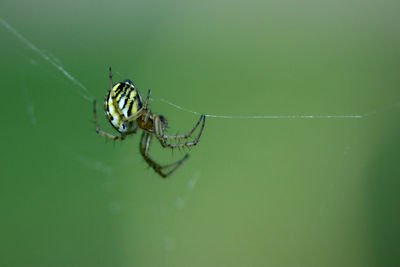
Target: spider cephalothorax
126,112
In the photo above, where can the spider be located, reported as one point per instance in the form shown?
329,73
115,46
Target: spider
125,111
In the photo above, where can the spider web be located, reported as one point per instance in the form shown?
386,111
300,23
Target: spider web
85,94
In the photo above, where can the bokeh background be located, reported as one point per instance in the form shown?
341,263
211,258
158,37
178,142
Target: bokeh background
255,192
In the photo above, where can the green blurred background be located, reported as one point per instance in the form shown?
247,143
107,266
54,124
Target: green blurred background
278,192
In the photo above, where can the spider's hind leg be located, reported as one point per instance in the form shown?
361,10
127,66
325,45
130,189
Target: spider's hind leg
145,149
102,133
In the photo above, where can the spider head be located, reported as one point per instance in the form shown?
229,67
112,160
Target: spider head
164,122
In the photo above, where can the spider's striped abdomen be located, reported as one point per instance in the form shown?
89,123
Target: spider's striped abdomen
122,101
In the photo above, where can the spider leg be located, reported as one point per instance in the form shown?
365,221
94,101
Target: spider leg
145,141
110,76
187,135
138,113
100,132
132,117
145,106
162,138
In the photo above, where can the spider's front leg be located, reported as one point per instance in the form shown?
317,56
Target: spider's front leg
145,149
159,132
145,106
